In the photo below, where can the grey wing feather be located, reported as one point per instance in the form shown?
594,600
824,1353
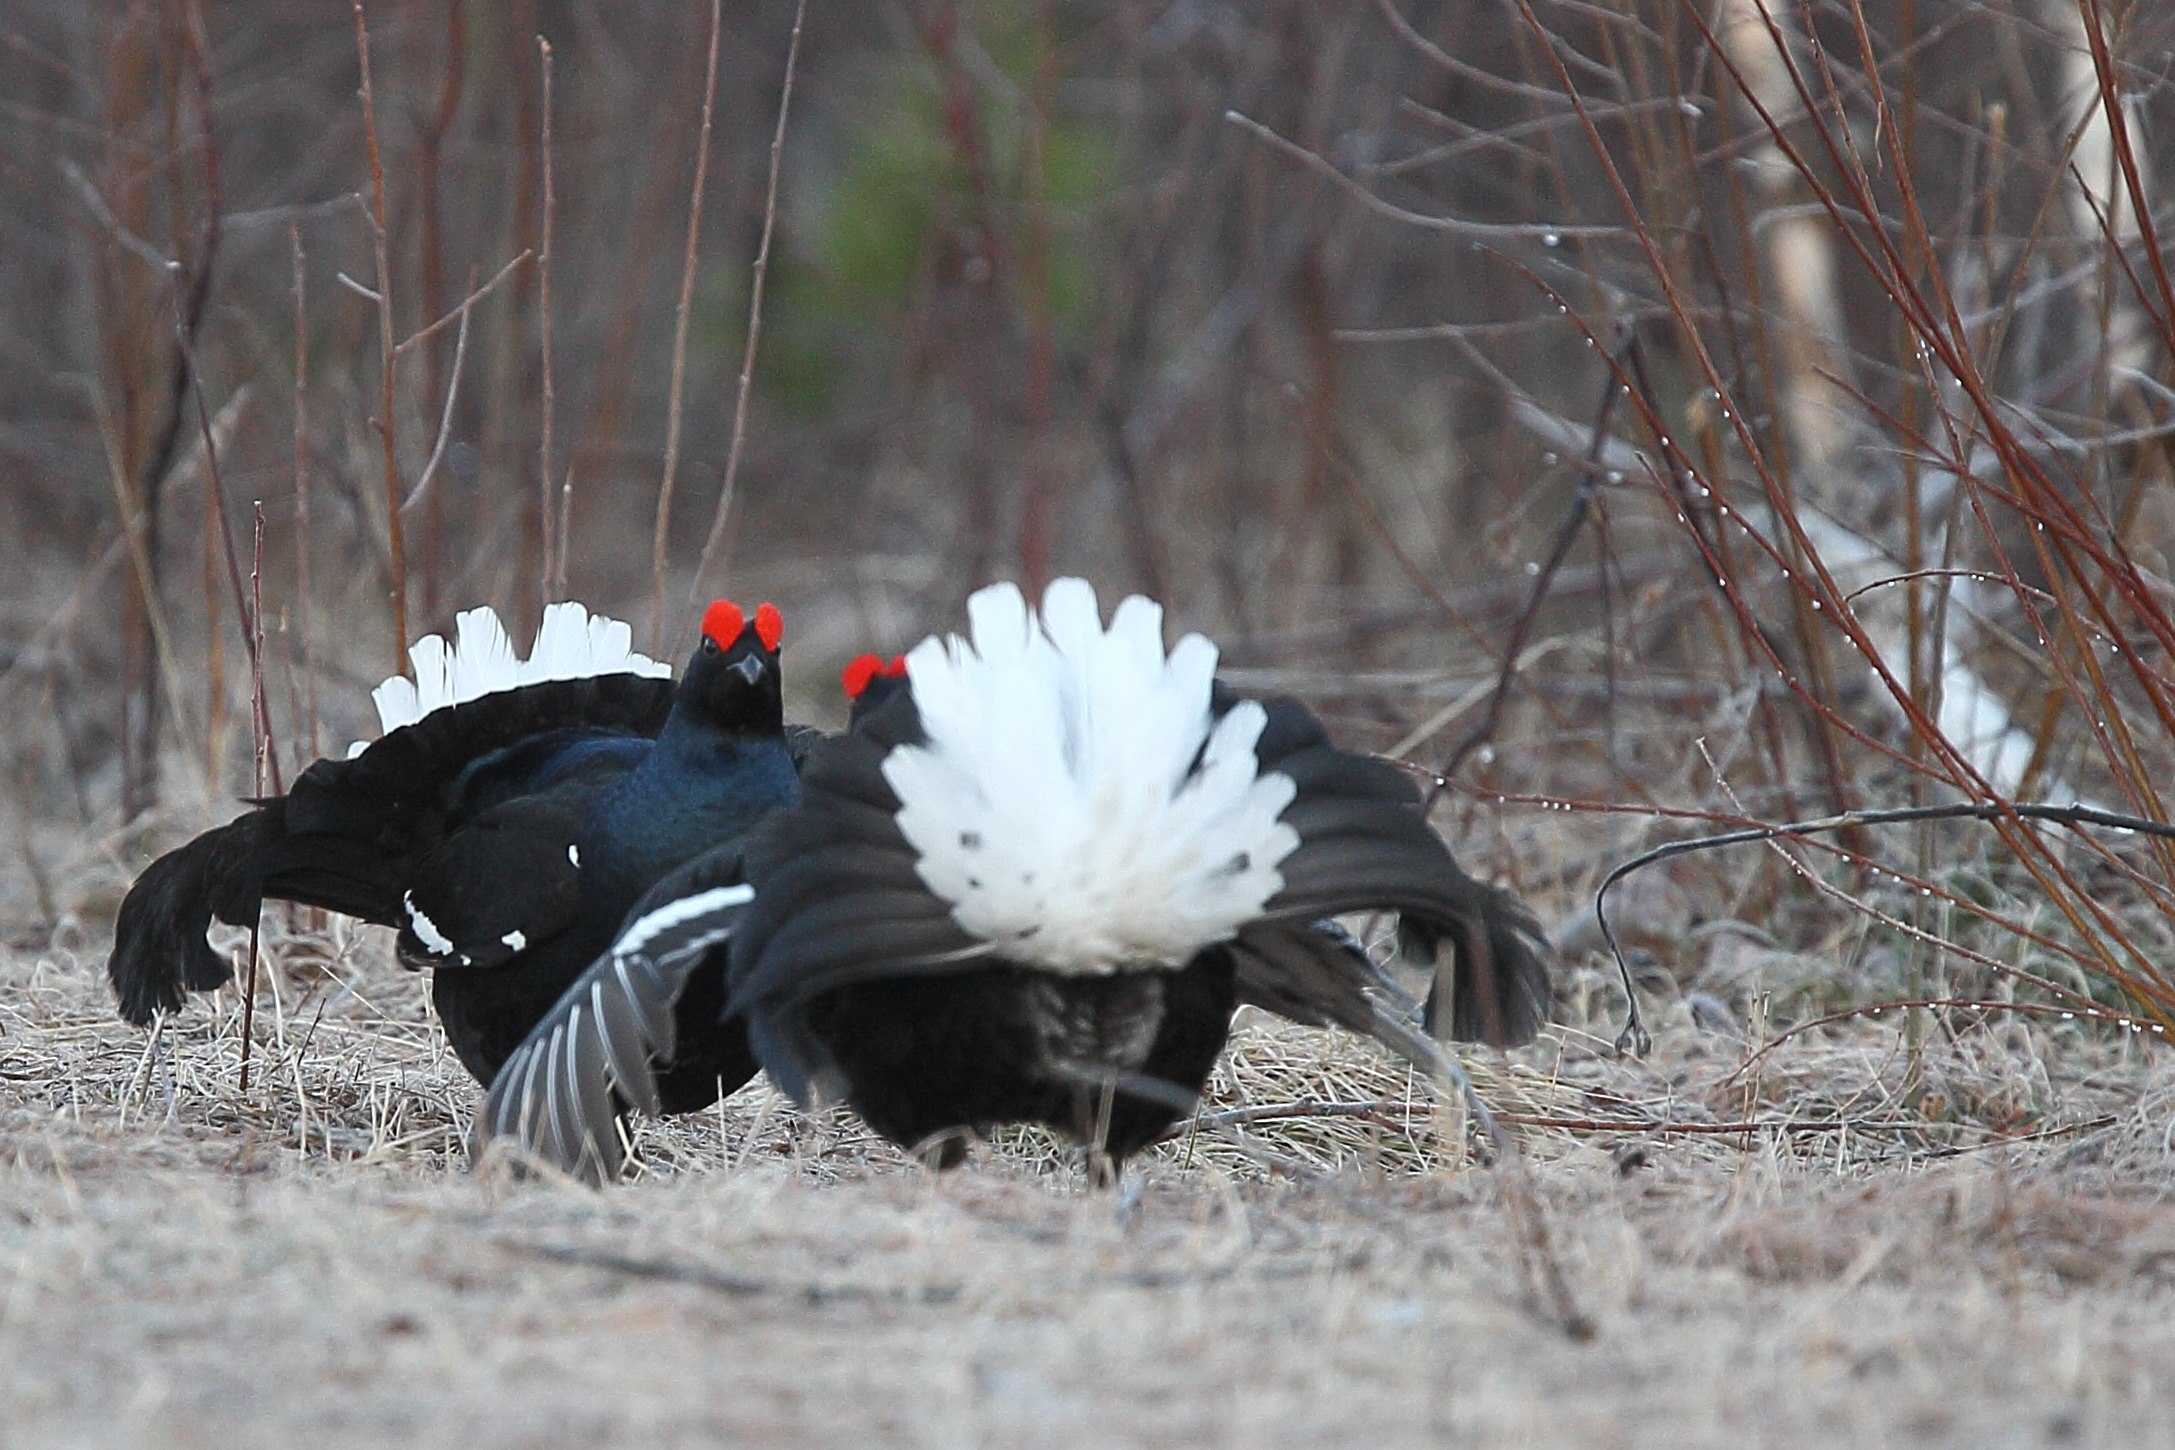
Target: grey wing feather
560,1094
1317,974
1320,974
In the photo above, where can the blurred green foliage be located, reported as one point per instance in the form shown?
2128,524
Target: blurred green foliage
902,199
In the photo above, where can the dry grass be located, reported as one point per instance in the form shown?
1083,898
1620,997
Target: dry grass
1893,439
183,1262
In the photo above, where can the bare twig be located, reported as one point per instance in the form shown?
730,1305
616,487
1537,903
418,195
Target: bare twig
245,613
1567,534
2069,815
445,417
451,319
95,203
260,731
549,408
302,492
755,316
395,545
679,346
429,193
2070,1013
1458,226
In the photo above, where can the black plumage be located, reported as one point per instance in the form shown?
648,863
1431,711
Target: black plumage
859,980
656,997
597,1052
859,983
506,837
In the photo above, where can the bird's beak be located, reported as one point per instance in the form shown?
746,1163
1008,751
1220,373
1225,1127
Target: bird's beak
748,667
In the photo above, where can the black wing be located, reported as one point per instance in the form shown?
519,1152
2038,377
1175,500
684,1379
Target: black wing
1365,845
560,1094
348,835
1317,975
799,740
502,883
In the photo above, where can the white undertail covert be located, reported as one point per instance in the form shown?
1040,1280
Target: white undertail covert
1076,802
571,644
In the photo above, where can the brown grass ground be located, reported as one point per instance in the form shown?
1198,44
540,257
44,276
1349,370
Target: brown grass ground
310,1261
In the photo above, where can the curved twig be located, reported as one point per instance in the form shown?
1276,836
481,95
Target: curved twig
1635,1037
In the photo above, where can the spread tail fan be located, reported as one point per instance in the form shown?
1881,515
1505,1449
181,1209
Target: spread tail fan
571,644
559,1096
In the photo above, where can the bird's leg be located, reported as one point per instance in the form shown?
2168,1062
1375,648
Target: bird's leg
1102,1170
945,1150
1126,1205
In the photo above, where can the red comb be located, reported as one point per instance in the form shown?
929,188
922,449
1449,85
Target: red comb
896,670
863,669
722,623
769,626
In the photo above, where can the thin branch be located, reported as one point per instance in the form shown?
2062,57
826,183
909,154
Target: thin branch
566,520
1573,522
679,347
394,543
302,490
260,731
1457,226
543,306
453,318
94,202
245,612
445,417
755,317
1970,1004
2069,815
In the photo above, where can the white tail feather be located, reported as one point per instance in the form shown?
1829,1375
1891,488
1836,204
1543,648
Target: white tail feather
1057,806
571,644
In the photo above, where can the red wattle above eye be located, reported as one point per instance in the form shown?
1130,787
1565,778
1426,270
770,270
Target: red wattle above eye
722,623
858,674
769,626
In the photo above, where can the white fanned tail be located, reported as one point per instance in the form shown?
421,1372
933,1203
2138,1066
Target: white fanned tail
571,644
1076,801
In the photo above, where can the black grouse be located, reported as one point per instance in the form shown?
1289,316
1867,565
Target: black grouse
656,993
509,817
1031,884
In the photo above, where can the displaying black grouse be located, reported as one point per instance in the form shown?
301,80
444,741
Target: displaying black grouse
509,817
1031,884
656,995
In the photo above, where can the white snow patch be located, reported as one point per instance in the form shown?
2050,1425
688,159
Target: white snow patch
571,643
1057,805
434,941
